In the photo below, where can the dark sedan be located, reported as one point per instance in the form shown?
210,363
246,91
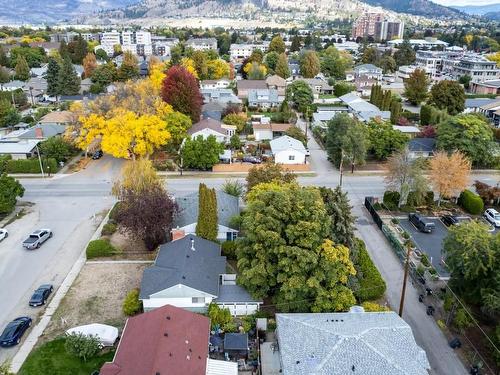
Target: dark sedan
12,334
41,295
450,220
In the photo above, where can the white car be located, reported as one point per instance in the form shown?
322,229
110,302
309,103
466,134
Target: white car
3,234
493,216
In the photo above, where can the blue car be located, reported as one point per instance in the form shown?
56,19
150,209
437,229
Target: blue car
12,334
41,295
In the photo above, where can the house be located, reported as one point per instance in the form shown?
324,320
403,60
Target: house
363,110
58,117
245,85
208,126
223,96
236,345
222,83
318,86
277,83
168,340
212,110
294,68
39,72
492,112
189,272
486,87
12,85
411,131
242,51
269,131
473,105
202,44
23,149
421,147
40,131
288,150
321,118
264,98
369,71
348,343
227,207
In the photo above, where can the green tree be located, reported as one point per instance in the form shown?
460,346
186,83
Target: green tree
277,45
57,148
200,153
235,142
234,188
342,88
300,94
282,68
416,87
395,111
22,69
4,60
387,63
200,64
346,141
339,210
69,81
465,80
269,172
52,77
286,255
271,60
4,75
369,56
104,74
78,49
334,63
207,224
82,346
235,119
405,55
129,68
63,50
384,140
298,134
9,115
177,124
309,64
219,317
10,189
132,304
449,95
425,115
470,134
296,44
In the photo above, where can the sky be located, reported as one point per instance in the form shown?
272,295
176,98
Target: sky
466,2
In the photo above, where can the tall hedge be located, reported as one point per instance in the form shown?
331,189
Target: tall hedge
371,284
207,226
472,203
30,166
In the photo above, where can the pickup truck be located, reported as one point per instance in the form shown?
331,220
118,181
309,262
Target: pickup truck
36,238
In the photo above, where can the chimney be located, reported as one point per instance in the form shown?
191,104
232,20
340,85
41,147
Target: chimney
177,234
38,132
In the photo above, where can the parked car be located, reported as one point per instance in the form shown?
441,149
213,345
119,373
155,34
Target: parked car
421,223
450,220
97,155
455,343
41,295
37,238
12,334
3,234
493,216
251,159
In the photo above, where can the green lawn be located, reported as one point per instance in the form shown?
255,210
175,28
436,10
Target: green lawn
327,96
51,358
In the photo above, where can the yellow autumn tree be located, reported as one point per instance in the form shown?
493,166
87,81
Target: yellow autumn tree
495,57
449,174
189,65
157,73
218,69
137,176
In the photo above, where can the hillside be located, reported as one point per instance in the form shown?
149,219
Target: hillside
479,10
424,8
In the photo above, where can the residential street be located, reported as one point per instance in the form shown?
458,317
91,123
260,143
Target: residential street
67,204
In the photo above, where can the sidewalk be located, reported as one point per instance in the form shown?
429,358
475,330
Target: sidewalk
30,342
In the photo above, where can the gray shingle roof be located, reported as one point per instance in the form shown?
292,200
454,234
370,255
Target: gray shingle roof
422,144
236,341
234,294
478,102
332,343
227,207
177,263
48,130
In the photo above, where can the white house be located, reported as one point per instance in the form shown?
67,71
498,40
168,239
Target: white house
190,273
268,131
208,126
222,83
288,150
22,149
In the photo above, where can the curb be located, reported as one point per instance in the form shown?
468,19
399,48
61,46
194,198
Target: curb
39,328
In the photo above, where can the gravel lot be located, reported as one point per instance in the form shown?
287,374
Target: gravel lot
96,297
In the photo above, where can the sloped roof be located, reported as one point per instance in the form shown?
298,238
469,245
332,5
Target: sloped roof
227,207
275,80
176,263
234,294
369,67
286,142
58,117
21,147
479,102
166,341
263,96
248,84
336,343
48,130
236,341
207,123
492,105
422,144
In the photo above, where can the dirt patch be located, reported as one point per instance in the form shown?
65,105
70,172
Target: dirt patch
96,296
79,165
131,248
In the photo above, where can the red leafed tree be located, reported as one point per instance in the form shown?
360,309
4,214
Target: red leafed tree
428,131
180,90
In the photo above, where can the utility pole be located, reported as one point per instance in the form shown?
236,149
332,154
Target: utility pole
308,117
405,278
40,161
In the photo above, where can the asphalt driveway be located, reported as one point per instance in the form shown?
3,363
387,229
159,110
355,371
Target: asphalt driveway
429,243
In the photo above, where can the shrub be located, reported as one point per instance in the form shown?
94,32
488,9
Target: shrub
114,212
429,198
108,229
374,307
81,346
405,235
395,221
371,284
391,199
472,203
425,260
131,304
100,248
229,249
462,321
31,166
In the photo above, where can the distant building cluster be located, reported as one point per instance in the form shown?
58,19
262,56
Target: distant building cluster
137,42
377,26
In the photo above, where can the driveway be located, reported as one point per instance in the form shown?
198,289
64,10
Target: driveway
429,243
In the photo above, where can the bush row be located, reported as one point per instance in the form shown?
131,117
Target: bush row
28,166
371,284
100,248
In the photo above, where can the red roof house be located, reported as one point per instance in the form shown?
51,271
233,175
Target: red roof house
165,341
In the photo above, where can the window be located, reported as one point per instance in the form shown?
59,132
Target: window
198,300
291,157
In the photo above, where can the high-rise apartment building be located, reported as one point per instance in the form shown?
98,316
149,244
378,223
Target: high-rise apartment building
377,26
138,42
364,26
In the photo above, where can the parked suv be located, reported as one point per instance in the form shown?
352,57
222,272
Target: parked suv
37,238
493,216
422,224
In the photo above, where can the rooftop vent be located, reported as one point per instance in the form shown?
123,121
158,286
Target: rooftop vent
188,357
356,309
168,317
192,244
165,334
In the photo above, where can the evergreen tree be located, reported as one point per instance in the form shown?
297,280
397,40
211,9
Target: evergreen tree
129,68
4,60
416,87
277,45
296,45
63,49
207,226
22,69
425,115
395,111
52,77
282,68
4,75
78,49
386,100
68,82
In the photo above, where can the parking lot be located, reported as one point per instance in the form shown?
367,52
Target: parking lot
429,243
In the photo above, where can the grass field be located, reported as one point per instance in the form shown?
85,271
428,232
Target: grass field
51,358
